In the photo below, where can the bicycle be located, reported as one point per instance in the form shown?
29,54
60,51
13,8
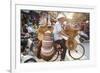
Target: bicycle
75,50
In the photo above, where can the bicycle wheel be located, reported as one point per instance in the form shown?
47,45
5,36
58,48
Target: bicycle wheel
31,60
78,52
55,57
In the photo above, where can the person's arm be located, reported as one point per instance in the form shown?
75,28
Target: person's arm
62,33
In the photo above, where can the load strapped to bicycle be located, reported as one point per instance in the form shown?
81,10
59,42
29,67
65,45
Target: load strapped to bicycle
46,50
75,49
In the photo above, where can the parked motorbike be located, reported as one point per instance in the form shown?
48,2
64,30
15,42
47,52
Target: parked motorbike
28,44
83,37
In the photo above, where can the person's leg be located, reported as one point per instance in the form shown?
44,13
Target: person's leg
63,54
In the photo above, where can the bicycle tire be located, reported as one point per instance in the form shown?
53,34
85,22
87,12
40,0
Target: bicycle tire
56,56
30,60
70,54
